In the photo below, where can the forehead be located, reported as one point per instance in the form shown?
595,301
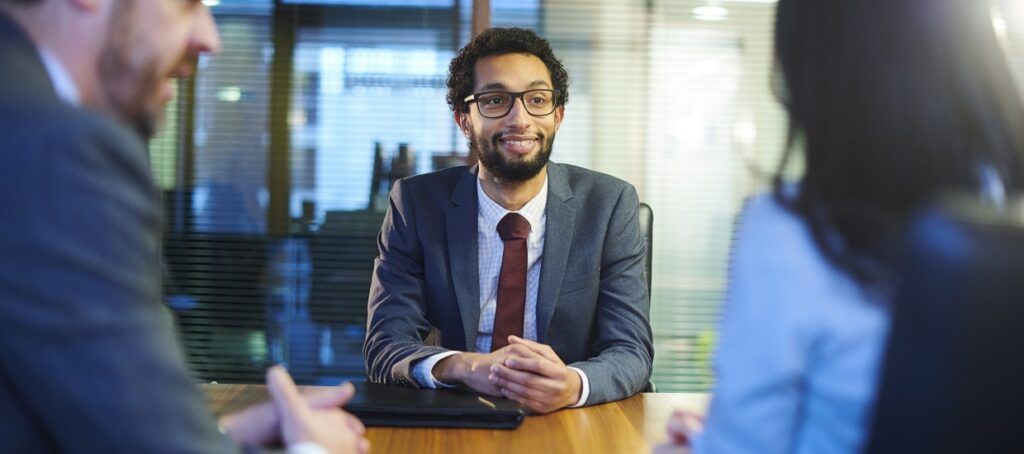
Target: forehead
514,72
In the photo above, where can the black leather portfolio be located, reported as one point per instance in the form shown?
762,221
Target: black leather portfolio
399,406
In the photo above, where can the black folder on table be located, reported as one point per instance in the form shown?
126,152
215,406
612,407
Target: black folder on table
399,406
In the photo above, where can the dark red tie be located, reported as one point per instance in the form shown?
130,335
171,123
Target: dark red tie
508,316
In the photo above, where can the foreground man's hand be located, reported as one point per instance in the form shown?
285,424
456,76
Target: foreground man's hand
259,425
536,377
291,417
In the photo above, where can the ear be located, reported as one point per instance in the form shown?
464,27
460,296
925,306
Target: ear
559,115
462,119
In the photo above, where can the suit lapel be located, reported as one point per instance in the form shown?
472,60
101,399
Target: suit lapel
558,233
21,69
461,220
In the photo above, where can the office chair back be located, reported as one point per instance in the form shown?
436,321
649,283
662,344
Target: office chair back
343,252
646,219
647,227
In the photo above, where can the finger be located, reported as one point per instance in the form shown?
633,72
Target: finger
694,424
521,390
521,351
540,366
355,424
254,425
536,347
364,446
285,394
532,404
676,428
522,377
502,382
335,396
531,385
683,426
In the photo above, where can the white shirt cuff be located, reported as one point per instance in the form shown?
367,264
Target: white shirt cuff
423,371
306,447
585,393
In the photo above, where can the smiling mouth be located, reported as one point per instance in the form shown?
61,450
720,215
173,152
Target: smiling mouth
518,145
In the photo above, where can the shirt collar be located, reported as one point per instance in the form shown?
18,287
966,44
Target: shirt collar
492,212
63,84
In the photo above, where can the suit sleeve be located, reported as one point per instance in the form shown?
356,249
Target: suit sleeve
396,311
89,353
622,334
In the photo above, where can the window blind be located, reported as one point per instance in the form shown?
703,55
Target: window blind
278,155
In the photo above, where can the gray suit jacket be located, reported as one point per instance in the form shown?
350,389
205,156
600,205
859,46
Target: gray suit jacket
88,358
592,305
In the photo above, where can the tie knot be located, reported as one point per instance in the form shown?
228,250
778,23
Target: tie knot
513,227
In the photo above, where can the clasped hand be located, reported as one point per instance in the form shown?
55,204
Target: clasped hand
527,372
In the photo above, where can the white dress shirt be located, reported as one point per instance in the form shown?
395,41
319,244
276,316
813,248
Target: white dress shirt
490,251
62,82
306,447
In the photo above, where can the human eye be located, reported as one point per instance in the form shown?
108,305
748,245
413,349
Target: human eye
493,99
539,98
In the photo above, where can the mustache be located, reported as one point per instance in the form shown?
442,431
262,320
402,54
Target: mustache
186,65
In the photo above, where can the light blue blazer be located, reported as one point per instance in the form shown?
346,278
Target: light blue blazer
800,346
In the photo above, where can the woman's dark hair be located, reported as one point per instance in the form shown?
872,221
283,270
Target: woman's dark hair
892,103
501,41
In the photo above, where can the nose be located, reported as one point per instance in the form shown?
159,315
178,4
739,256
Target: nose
205,38
518,116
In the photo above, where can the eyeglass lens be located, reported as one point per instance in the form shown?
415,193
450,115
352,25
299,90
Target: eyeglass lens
497,104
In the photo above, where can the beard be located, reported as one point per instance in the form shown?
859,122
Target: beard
510,171
130,74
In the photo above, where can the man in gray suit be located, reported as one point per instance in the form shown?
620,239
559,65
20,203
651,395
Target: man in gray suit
88,358
527,276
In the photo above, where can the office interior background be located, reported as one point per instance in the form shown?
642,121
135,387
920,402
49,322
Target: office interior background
277,157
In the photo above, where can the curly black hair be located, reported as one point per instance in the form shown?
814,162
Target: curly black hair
501,41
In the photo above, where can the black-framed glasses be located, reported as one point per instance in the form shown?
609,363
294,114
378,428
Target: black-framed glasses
497,104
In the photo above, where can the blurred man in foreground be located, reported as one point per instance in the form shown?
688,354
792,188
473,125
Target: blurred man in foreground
89,360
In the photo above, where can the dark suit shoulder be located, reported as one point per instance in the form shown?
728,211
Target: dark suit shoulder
437,189
35,136
21,68
438,179
57,121
73,170
592,182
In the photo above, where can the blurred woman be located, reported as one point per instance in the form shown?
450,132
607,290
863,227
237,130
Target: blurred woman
890,102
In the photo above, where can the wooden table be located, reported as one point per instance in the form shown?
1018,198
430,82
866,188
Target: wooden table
633,425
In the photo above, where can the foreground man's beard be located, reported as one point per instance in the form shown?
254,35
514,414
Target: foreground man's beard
134,101
130,75
507,171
